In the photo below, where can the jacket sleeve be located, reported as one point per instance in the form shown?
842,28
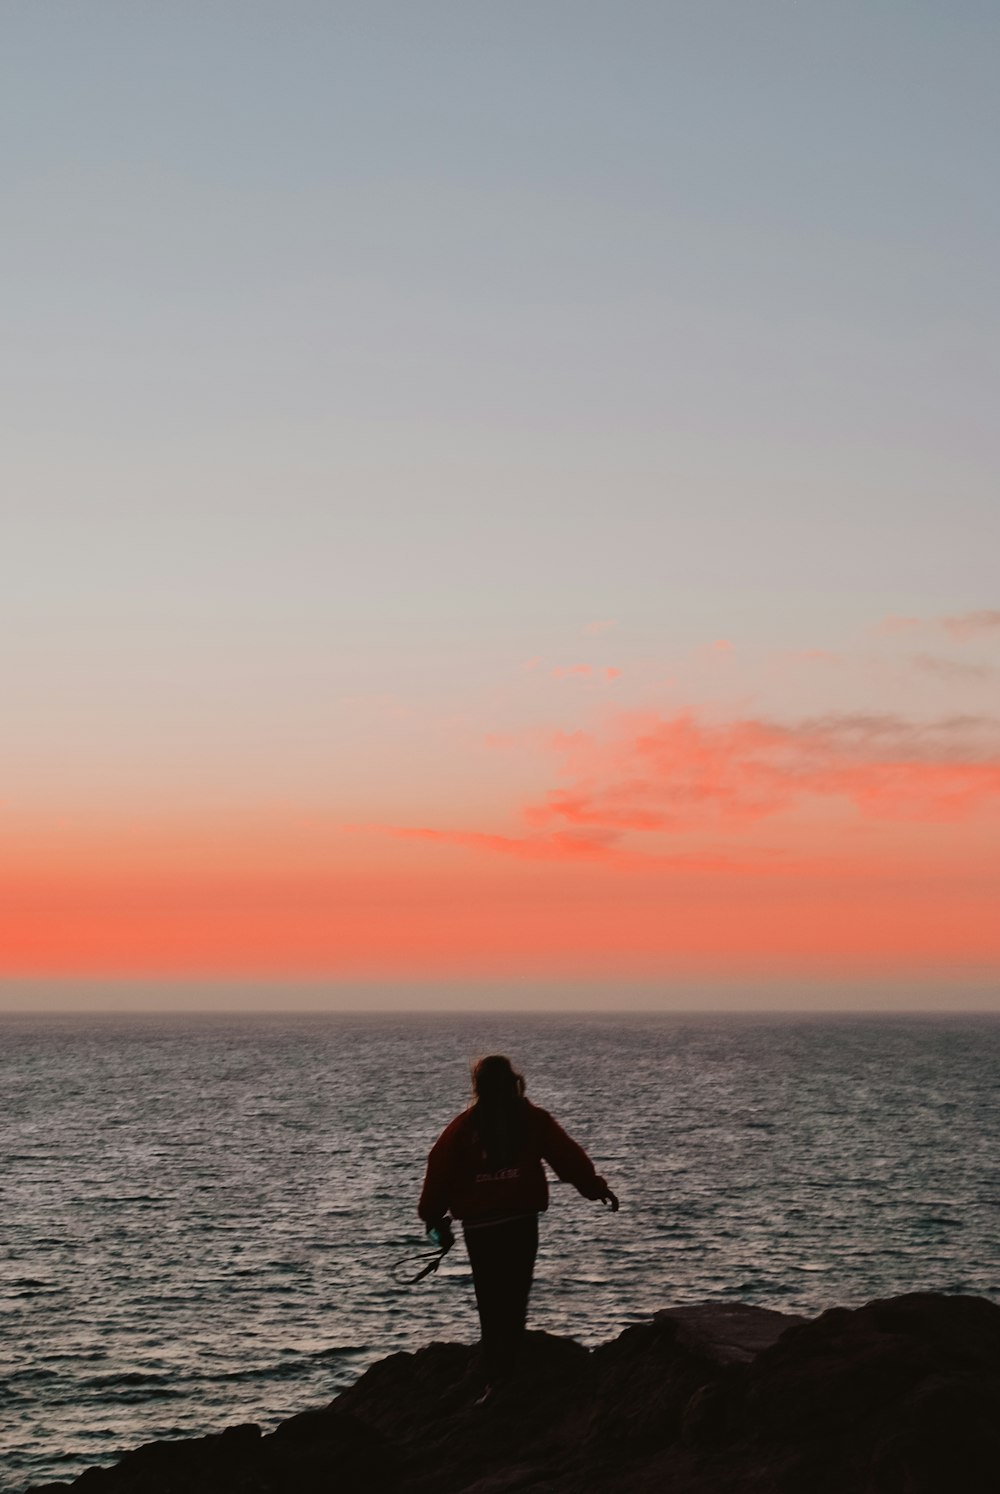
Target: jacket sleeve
435,1194
568,1160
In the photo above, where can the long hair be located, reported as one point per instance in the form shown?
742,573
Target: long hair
499,1110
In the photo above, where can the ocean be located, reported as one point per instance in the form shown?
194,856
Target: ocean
199,1215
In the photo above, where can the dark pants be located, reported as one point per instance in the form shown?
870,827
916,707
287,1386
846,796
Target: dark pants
502,1257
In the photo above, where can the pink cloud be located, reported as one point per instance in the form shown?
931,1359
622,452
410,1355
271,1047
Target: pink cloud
960,626
971,624
585,672
570,845
604,625
554,845
952,669
897,624
816,656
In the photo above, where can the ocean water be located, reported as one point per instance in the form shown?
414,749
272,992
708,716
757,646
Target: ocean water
198,1216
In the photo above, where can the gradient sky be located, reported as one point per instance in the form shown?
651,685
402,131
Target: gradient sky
499,498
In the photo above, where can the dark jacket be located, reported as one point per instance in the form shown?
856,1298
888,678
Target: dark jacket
459,1179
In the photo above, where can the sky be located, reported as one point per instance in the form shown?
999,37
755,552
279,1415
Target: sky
499,504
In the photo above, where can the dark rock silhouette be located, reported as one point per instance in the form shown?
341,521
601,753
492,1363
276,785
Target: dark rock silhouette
901,1396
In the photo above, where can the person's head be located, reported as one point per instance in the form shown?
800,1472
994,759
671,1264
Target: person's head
495,1081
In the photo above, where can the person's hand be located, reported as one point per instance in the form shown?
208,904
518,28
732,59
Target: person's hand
612,1199
442,1234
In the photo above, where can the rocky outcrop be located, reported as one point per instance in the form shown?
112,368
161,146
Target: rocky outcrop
899,1397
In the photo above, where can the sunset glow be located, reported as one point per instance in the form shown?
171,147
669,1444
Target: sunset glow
656,845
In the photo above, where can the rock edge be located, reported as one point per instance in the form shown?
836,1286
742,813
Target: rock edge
901,1396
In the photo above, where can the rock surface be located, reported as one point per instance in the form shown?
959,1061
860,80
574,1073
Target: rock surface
899,1397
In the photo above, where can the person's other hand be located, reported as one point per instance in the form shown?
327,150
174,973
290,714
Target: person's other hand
612,1199
442,1234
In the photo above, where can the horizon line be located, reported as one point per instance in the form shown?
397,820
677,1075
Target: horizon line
501,1011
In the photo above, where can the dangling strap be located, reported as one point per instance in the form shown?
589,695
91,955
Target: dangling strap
435,1257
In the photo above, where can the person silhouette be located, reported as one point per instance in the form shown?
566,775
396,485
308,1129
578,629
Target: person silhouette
485,1169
